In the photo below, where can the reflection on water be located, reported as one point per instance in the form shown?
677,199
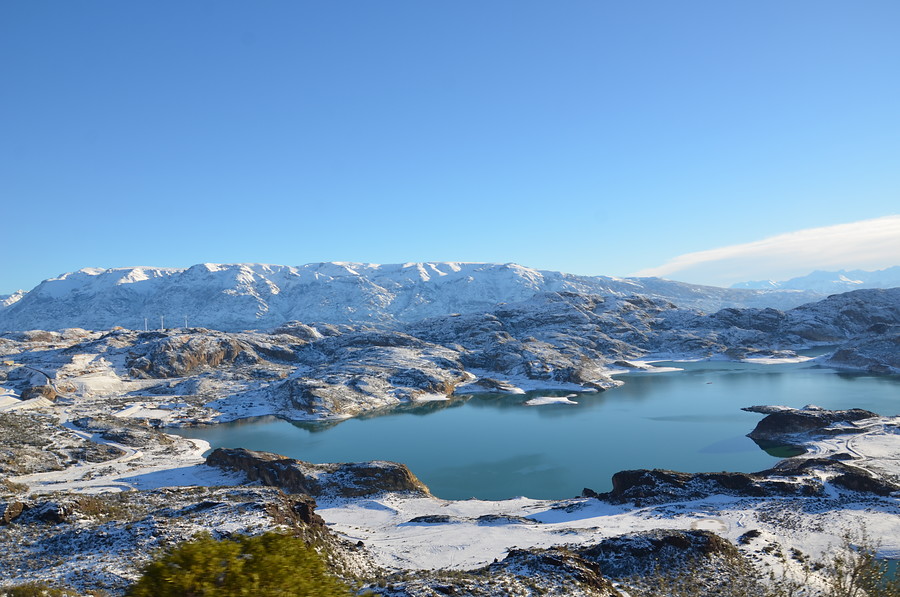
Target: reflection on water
494,446
778,449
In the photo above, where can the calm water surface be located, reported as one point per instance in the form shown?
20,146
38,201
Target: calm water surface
492,446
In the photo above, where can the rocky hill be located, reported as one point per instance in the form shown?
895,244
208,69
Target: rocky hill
550,340
253,296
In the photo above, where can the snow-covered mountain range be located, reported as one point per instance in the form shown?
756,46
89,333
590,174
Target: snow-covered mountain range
832,282
254,296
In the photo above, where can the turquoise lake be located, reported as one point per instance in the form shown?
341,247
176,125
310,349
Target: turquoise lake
492,446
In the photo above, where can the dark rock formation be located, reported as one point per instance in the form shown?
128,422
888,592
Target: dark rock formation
319,480
558,565
431,519
652,551
660,486
503,519
495,385
841,473
786,422
675,562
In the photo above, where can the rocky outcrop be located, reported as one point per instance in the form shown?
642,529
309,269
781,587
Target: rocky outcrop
130,432
495,385
878,352
784,422
184,354
558,566
660,486
839,472
567,336
11,511
670,562
843,316
656,551
319,480
47,392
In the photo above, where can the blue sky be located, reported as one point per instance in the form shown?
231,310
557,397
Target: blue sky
594,137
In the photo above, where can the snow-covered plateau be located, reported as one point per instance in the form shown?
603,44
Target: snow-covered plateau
90,483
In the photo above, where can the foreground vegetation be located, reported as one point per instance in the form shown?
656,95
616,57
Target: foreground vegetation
275,564
268,564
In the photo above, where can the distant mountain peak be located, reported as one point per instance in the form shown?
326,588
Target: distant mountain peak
830,282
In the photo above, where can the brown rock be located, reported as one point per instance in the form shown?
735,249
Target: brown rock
39,392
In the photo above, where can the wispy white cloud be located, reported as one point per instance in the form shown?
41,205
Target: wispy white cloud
868,244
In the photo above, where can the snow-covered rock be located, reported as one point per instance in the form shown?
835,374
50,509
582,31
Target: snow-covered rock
877,353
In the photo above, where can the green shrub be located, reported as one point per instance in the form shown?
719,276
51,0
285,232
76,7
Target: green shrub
266,565
36,589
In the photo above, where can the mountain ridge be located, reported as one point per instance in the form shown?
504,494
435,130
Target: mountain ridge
253,296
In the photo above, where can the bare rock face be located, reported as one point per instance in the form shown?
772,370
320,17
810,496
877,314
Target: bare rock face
177,356
319,480
787,422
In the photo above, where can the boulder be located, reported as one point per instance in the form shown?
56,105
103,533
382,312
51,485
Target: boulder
39,392
11,511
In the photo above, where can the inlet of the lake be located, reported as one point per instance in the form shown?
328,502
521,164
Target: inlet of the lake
493,446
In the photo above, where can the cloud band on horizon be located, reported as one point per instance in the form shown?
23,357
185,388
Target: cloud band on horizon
867,244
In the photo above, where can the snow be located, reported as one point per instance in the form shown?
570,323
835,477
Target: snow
7,398
430,398
542,400
179,465
143,411
33,404
777,360
11,299
645,366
